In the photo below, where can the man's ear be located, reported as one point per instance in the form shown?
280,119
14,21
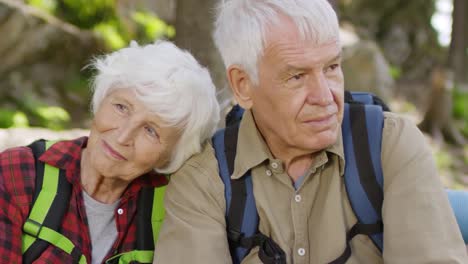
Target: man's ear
241,85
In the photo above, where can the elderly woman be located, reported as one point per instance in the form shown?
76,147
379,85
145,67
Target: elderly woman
153,106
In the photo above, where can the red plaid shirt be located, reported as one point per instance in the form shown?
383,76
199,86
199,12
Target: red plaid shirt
17,177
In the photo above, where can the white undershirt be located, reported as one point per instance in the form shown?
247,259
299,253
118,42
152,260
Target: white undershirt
102,227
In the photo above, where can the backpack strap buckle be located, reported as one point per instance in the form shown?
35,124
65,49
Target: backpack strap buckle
32,227
235,236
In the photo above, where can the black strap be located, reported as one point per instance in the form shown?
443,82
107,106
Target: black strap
269,251
76,255
380,102
59,206
236,211
348,97
234,116
144,235
230,146
358,228
363,157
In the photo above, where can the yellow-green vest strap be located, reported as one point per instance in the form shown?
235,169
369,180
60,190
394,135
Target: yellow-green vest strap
157,217
158,211
42,205
140,256
35,229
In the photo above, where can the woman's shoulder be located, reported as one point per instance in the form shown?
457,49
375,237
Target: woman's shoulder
17,173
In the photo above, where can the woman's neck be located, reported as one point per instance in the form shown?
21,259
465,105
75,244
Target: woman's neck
100,188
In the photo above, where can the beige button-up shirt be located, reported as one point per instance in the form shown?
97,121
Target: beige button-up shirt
310,223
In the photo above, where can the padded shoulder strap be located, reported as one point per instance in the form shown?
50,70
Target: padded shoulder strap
362,136
52,190
241,211
148,226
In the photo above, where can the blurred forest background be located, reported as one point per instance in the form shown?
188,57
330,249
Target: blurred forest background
413,54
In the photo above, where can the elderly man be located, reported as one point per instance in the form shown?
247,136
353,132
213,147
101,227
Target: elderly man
283,60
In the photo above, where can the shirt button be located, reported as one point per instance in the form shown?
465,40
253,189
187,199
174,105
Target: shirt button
297,198
274,165
268,172
301,252
120,211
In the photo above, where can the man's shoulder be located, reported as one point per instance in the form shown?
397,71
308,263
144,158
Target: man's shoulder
397,125
201,168
205,160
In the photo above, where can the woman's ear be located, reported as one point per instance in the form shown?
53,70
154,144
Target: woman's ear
241,85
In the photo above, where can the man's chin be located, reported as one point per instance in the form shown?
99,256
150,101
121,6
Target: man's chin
324,139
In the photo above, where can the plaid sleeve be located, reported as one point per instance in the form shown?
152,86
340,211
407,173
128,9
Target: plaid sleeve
16,188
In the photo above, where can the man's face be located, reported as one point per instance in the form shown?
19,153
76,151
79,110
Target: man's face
298,103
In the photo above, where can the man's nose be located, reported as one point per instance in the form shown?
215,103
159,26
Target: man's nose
319,90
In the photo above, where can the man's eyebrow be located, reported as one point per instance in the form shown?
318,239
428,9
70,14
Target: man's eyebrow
337,57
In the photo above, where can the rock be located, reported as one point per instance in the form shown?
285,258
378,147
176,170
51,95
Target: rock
365,68
23,136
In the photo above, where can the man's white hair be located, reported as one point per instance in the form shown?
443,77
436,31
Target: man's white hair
171,83
240,27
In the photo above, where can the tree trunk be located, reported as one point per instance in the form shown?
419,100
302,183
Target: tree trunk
438,120
335,5
458,59
194,25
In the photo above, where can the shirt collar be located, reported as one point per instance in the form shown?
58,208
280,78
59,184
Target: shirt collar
65,154
252,150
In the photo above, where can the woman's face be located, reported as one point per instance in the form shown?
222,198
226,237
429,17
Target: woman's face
127,139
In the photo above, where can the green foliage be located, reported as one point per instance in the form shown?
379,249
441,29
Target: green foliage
460,109
54,117
48,6
152,26
101,17
460,104
443,160
85,13
111,34
395,72
9,118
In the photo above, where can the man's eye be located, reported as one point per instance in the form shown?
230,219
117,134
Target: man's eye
296,77
332,67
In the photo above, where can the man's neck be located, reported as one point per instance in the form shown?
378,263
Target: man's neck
296,162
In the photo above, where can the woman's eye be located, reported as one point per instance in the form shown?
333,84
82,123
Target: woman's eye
120,107
151,131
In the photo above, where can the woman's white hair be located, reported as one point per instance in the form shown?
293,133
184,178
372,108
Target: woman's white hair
171,83
241,25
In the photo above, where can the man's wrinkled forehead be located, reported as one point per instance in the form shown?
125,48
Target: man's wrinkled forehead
300,28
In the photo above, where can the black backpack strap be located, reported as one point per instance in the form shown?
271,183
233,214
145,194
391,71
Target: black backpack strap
365,98
149,216
241,216
357,229
362,135
144,235
53,218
